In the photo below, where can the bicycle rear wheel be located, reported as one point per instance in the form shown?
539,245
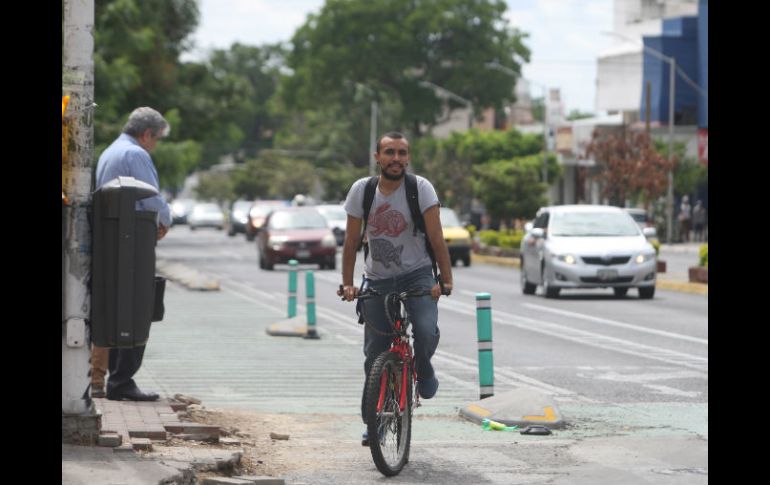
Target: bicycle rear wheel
389,428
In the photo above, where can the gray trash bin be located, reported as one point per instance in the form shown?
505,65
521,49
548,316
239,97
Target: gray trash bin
123,264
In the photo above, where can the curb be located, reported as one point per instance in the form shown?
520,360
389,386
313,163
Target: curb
190,278
520,407
291,327
498,260
663,284
686,287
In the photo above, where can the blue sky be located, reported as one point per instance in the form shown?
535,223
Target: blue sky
565,36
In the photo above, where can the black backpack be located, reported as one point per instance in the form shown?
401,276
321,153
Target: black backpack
410,181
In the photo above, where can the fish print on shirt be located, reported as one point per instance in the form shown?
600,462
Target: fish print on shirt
385,252
390,223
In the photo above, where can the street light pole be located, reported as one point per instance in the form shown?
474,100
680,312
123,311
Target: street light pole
670,191
467,102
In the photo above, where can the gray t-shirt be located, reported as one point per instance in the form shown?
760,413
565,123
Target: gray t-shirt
393,247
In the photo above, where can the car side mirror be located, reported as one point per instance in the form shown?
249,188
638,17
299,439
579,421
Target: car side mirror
649,232
538,232
528,227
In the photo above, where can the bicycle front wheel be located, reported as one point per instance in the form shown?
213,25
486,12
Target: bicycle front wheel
388,427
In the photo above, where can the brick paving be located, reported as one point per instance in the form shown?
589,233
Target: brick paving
151,420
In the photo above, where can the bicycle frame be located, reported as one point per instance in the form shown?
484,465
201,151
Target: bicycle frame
400,347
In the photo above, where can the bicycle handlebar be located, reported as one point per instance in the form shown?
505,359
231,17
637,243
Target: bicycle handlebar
371,293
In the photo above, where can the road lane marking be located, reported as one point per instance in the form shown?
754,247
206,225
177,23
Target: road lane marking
615,323
504,376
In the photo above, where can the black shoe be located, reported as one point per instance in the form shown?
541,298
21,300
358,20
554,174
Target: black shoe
132,395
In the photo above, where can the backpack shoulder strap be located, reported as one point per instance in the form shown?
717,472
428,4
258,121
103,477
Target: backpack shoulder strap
413,200
419,222
369,190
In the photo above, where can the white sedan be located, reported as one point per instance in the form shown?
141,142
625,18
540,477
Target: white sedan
206,215
587,246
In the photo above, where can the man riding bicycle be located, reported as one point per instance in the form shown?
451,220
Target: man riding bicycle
399,255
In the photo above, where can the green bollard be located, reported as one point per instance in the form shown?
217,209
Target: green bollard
310,305
292,288
484,331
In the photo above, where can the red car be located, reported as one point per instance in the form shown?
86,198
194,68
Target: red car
299,233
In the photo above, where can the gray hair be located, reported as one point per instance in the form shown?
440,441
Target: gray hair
143,118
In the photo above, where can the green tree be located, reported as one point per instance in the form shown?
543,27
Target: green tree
215,186
136,49
578,115
390,47
447,163
225,101
512,188
689,175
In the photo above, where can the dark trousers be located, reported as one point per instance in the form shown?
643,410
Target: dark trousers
124,363
423,312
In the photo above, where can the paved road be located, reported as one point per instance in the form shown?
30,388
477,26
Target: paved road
629,375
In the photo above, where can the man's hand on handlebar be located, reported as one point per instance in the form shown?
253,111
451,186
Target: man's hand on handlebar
347,292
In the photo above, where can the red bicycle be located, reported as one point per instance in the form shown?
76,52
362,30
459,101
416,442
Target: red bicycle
391,394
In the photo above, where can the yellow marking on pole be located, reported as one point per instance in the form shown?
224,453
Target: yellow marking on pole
549,415
479,410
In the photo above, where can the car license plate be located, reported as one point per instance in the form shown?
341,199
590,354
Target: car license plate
303,253
607,274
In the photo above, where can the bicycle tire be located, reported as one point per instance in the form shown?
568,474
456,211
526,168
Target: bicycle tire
389,430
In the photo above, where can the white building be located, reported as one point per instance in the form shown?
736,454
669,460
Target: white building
619,68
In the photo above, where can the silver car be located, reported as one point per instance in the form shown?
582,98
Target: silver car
337,219
587,246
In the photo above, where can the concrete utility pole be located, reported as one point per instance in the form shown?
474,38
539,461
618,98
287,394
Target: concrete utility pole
78,83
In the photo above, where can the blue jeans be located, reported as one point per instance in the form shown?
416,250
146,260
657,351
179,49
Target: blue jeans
423,313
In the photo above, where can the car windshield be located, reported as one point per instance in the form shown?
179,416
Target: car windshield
334,213
297,220
207,208
639,217
449,218
241,206
589,224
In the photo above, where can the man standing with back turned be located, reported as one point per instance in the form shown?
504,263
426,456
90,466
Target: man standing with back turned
399,259
129,156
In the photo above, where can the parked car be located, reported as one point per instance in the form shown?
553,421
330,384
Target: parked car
206,215
299,233
587,246
336,218
180,209
643,220
258,213
238,217
457,238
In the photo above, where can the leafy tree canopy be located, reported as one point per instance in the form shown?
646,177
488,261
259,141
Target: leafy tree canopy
390,47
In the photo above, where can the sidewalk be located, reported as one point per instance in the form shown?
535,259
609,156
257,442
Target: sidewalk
147,443
141,443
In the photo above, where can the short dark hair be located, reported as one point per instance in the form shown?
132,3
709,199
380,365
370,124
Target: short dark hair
396,135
